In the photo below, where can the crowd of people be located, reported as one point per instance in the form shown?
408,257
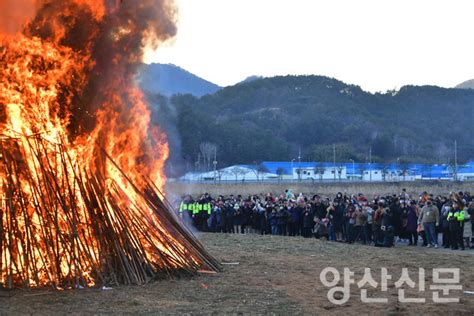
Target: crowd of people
378,221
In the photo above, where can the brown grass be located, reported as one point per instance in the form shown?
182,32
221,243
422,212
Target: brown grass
274,275
414,188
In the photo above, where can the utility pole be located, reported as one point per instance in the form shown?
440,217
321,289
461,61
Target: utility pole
455,160
397,167
215,165
292,160
334,161
353,169
370,164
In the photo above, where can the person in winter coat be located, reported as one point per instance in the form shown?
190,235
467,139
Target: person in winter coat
222,226
330,215
429,218
320,228
318,208
237,219
257,213
471,214
470,210
456,221
273,221
308,221
445,209
349,222
360,215
396,209
295,212
467,230
412,224
282,220
404,219
246,217
370,219
387,227
214,221
377,223
338,220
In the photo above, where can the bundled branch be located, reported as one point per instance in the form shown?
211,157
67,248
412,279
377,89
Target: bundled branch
65,225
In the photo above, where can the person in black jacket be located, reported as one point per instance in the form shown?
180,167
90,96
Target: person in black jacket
273,220
308,221
294,219
282,221
318,208
338,220
387,228
397,217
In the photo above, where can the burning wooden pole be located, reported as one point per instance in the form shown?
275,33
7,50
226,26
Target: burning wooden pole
76,136
64,225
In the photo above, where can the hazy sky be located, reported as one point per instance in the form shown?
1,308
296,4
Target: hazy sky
377,44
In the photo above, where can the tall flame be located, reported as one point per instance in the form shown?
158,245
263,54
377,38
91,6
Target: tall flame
75,127
71,72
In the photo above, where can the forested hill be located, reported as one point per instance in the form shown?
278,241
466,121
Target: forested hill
272,118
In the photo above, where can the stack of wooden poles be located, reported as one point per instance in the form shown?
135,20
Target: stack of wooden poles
65,225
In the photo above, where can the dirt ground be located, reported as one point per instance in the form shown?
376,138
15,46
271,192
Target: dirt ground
274,275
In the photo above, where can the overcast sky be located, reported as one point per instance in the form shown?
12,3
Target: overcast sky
377,44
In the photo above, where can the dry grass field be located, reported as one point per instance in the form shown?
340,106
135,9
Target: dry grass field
274,275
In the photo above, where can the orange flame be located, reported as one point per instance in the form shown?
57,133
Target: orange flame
68,77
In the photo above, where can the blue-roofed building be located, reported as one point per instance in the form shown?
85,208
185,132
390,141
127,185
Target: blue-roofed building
307,170
466,172
325,171
232,173
328,171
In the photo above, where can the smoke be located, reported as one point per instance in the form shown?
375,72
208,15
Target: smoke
115,34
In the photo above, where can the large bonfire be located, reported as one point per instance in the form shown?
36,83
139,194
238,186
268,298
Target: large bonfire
81,168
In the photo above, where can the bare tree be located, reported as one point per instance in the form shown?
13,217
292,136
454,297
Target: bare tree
362,169
385,171
236,171
220,174
197,164
299,172
320,171
259,170
339,172
405,170
208,153
243,172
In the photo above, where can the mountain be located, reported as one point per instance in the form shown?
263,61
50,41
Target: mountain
251,78
469,84
273,118
168,79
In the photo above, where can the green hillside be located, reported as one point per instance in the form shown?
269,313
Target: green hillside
273,118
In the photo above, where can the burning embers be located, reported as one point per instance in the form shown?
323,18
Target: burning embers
80,166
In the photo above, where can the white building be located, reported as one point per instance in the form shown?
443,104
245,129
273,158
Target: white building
232,173
319,173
